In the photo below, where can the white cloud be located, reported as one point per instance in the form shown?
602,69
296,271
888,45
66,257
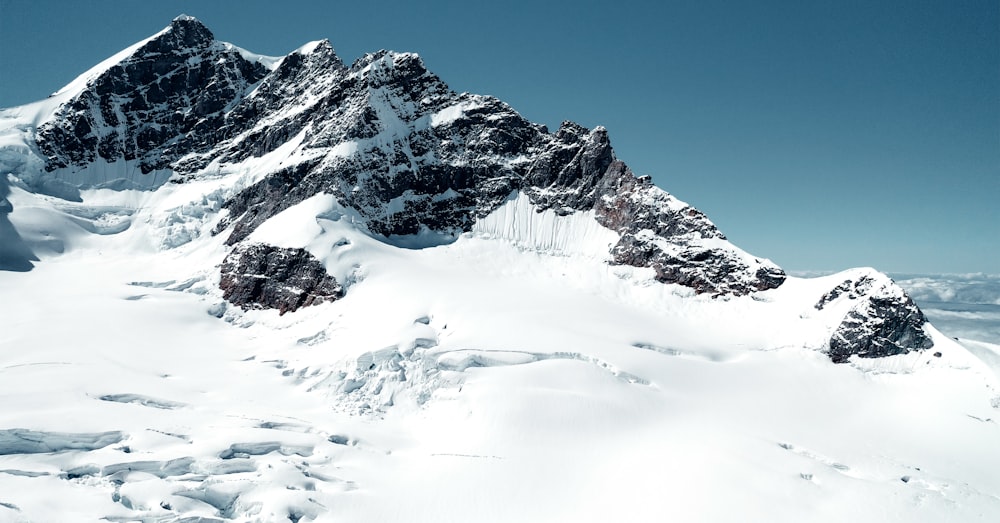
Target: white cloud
960,305
952,288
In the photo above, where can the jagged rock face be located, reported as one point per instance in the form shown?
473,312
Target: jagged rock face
390,141
263,276
675,239
380,138
387,138
166,100
567,173
369,143
277,109
885,322
15,255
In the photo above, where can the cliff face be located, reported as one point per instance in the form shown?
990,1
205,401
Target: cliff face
165,100
389,140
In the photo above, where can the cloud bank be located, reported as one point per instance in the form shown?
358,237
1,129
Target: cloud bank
963,306
952,288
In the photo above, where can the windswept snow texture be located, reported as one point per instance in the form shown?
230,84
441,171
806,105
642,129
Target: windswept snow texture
22,441
15,255
503,325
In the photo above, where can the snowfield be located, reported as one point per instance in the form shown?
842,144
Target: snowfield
494,378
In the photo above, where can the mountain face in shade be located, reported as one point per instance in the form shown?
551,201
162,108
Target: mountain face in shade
240,246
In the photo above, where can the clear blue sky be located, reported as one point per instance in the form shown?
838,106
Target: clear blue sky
820,134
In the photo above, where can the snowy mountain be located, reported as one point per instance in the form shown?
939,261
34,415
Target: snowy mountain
245,288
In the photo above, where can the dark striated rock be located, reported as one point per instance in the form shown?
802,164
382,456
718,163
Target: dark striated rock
883,322
255,204
164,101
263,276
566,174
276,100
414,176
881,328
645,216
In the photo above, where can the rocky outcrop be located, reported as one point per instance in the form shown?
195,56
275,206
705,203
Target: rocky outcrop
380,138
884,321
256,276
676,240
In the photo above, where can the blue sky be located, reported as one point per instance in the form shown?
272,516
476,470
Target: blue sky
820,134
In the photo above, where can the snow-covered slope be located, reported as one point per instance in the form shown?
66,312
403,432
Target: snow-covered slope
364,297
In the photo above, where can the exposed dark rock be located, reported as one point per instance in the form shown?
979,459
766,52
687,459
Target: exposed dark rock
853,289
166,100
263,276
567,173
444,176
884,322
255,204
646,216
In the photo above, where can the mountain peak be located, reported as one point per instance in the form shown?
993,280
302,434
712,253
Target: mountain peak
185,31
177,79
316,46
